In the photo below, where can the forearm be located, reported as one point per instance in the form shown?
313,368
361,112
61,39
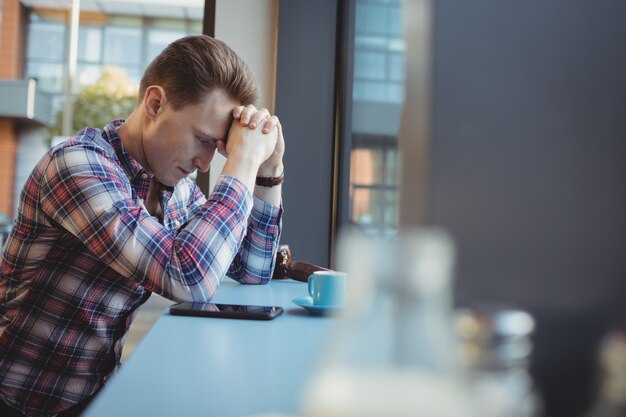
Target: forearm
271,195
242,167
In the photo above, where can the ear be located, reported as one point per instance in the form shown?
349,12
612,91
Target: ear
153,101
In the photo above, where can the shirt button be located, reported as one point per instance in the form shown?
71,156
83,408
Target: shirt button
144,176
176,223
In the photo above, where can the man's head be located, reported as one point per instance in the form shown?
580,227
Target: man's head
186,98
191,67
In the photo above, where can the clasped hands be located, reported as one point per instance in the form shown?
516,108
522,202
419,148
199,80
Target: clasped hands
255,135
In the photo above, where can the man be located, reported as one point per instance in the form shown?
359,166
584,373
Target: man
111,215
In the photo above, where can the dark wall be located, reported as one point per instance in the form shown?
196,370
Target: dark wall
529,170
305,83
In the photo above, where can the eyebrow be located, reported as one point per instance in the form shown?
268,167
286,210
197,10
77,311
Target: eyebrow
210,136
205,135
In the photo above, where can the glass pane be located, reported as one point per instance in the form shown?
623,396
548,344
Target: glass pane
389,208
396,67
377,97
395,22
122,45
158,39
395,93
49,75
370,65
361,205
46,40
89,44
371,18
367,166
375,209
391,167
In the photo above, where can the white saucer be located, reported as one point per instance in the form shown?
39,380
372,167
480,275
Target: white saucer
318,310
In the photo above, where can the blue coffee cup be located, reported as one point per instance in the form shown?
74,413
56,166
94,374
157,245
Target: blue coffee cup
328,288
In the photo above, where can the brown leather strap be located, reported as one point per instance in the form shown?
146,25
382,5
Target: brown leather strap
286,267
270,181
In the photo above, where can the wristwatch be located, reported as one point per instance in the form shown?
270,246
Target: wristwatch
270,181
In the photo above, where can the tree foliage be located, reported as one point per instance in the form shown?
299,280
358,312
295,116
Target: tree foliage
112,96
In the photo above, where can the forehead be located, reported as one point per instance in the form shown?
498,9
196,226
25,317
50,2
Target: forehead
212,115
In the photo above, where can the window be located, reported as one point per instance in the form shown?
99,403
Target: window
45,52
49,75
377,97
127,43
159,38
90,44
46,40
373,177
122,48
350,174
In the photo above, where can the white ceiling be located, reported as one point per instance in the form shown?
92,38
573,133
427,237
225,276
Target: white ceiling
190,9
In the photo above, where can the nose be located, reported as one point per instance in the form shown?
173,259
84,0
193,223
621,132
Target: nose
203,160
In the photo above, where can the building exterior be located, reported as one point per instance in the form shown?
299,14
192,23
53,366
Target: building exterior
12,28
34,39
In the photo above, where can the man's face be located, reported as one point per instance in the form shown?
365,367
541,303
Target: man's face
179,142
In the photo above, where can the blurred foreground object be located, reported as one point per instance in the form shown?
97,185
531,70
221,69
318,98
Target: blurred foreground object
495,349
611,397
393,351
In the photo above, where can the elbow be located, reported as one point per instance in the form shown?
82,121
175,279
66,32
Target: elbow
197,293
256,279
250,275
191,297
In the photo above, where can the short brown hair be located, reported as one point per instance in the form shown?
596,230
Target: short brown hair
193,66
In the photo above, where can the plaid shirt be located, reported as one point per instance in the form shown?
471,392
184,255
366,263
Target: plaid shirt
84,254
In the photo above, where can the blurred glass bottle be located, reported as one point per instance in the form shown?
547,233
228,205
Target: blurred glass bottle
393,351
495,349
611,396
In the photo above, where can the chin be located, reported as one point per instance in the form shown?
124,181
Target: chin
171,183
167,180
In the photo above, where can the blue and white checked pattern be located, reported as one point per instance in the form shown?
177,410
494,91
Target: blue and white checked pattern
84,254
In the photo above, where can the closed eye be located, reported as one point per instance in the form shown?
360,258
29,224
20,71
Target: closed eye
207,141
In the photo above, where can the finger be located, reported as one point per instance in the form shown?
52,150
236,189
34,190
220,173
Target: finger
258,118
270,124
247,113
237,112
279,130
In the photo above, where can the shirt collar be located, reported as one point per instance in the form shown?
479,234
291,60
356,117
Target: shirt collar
131,166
